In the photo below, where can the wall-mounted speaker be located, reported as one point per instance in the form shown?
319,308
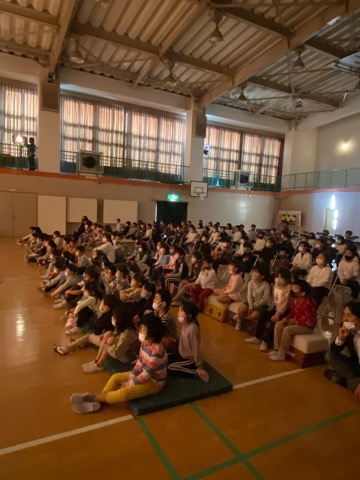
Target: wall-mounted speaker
242,179
50,97
89,163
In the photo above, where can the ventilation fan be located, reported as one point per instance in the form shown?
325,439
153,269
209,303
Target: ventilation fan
89,163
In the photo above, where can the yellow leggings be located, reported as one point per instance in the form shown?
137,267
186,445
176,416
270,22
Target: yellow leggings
116,393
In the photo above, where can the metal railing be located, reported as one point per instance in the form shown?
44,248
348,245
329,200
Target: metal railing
337,178
15,156
225,179
129,169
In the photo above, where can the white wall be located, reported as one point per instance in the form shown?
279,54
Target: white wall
228,206
300,151
313,206
329,154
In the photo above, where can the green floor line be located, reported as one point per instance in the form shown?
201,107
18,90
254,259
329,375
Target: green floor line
301,433
214,469
158,450
215,429
239,457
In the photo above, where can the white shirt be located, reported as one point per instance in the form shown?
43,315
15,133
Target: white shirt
109,250
206,279
320,277
348,270
303,261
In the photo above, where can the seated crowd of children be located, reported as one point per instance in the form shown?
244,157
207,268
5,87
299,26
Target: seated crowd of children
121,303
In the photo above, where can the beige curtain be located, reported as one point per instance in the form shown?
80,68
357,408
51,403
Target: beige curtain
18,111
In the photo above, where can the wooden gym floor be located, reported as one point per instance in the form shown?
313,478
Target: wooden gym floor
278,423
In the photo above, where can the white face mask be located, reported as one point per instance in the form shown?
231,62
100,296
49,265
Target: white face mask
142,337
155,306
349,325
181,318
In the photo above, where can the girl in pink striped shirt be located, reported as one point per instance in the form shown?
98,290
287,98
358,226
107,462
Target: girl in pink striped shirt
146,378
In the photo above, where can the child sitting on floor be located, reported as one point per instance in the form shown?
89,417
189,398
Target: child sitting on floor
147,377
190,360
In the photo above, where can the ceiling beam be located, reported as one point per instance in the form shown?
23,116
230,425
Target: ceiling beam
112,37
325,47
65,17
16,10
176,33
250,18
199,63
280,48
19,49
157,52
260,82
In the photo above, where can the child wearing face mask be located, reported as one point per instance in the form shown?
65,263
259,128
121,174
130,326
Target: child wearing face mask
281,299
133,294
268,252
345,369
257,301
122,278
146,378
144,305
103,324
320,278
260,242
302,261
161,307
233,292
86,308
348,271
190,359
205,283
121,343
300,320
187,283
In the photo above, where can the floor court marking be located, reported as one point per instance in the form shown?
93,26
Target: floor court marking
78,431
160,453
60,436
265,379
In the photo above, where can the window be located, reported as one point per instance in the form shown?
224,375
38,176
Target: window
261,156
18,111
229,150
223,156
92,126
126,137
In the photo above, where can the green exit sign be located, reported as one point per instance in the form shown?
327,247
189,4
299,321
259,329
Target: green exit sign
173,197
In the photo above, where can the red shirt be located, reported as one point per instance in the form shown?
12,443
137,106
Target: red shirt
303,310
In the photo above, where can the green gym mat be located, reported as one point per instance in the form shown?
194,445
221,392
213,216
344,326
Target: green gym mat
177,390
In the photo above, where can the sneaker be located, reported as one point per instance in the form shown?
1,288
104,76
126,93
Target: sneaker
263,347
88,363
238,326
86,407
78,397
60,305
253,340
92,368
271,353
277,357
71,331
331,375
